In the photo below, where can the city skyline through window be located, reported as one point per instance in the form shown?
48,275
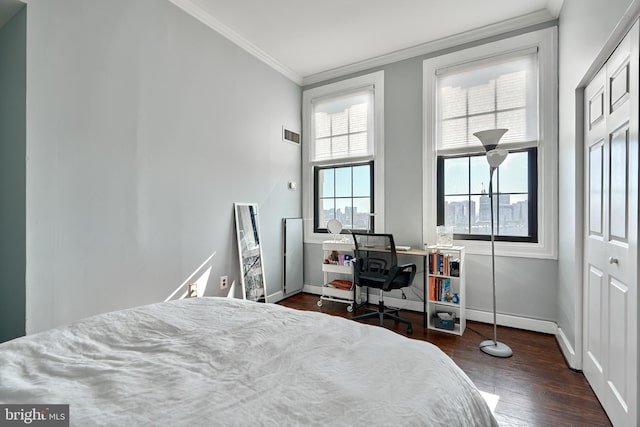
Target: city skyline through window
464,197
345,193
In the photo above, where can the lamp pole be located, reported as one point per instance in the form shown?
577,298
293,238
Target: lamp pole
495,156
493,258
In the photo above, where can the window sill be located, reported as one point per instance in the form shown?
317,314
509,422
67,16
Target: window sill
509,249
318,238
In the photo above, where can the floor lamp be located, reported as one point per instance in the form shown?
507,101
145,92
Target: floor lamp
495,157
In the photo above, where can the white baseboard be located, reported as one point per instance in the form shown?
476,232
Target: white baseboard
535,325
312,289
567,350
275,297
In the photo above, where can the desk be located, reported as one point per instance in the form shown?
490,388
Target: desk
424,254
416,253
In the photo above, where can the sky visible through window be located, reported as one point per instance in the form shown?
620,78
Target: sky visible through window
467,204
345,194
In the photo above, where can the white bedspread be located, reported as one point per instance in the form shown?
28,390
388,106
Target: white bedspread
218,361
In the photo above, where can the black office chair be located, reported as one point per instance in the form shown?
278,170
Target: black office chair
376,266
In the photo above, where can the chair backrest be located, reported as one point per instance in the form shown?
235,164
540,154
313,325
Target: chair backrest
375,251
376,263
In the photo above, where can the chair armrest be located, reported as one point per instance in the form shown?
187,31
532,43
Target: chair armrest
405,266
395,272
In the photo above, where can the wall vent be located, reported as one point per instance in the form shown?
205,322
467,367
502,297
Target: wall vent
290,136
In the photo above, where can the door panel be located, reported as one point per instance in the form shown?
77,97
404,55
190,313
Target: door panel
595,299
618,345
596,107
618,193
619,82
595,189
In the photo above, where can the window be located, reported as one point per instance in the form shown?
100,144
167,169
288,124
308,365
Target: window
512,84
344,192
464,203
342,130
495,93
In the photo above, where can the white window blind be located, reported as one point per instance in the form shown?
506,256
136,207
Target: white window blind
342,126
499,92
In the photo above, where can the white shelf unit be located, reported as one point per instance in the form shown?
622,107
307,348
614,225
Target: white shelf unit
441,261
338,271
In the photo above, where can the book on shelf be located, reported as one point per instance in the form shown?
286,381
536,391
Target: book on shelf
444,264
440,289
439,263
454,267
445,292
432,288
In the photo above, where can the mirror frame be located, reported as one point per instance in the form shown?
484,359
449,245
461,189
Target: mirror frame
249,258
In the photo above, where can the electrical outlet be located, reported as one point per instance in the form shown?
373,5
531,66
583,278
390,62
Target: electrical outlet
193,290
224,282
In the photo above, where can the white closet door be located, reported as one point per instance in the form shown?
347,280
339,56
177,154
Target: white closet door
611,233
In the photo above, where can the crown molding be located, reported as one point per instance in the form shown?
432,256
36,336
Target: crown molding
517,23
554,7
534,18
210,21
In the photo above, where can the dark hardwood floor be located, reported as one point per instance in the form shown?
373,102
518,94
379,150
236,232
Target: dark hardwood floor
535,386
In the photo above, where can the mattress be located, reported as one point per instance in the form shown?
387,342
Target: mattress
227,362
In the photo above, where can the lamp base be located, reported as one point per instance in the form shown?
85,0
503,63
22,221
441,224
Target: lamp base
495,348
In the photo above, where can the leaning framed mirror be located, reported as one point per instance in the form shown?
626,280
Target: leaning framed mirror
250,251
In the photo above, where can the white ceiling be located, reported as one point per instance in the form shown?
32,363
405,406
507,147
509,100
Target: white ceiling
307,37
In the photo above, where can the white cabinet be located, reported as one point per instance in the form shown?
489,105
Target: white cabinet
338,273
446,289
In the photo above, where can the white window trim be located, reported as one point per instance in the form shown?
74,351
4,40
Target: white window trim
377,80
546,42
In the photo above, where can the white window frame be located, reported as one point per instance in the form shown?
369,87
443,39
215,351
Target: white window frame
339,88
546,43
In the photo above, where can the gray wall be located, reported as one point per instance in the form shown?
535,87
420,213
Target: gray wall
585,26
12,175
541,289
525,287
144,126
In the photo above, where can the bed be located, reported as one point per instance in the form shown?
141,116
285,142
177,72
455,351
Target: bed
219,361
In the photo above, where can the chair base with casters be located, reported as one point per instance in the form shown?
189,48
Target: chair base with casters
381,313
376,266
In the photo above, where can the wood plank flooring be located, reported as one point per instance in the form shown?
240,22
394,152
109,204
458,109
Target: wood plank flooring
535,386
